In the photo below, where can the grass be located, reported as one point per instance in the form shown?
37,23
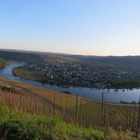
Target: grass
48,94
17,126
29,74
23,126
89,113
89,121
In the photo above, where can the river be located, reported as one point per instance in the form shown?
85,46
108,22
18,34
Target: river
111,95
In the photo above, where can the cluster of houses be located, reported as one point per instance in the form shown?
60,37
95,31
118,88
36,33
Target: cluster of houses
76,74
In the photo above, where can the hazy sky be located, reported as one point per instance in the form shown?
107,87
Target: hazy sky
98,27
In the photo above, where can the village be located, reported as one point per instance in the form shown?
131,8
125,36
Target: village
76,74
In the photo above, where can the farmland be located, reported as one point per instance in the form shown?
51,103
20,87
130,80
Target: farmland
72,109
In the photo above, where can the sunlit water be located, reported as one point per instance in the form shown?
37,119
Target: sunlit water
90,93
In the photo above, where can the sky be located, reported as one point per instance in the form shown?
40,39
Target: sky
88,27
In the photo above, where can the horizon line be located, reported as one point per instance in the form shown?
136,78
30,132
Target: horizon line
63,53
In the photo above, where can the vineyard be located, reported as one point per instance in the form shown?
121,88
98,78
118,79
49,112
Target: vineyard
73,109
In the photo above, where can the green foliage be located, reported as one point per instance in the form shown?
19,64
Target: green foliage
3,63
17,126
20,56
29,74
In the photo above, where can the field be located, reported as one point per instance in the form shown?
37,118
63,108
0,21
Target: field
77,111
28,74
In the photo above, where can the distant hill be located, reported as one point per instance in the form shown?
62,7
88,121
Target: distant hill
121,61
20,56
127,61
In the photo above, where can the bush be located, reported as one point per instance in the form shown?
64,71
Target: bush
17,126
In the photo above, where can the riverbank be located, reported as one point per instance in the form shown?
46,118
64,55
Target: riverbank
4,63
78,71
112,95
116,84
30,75
89,113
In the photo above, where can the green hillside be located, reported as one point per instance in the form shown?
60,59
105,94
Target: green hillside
32,113
17,126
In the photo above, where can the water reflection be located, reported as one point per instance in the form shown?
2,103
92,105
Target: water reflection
112,95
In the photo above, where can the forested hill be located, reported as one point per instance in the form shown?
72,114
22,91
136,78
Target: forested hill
20,56
123,61
128,61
